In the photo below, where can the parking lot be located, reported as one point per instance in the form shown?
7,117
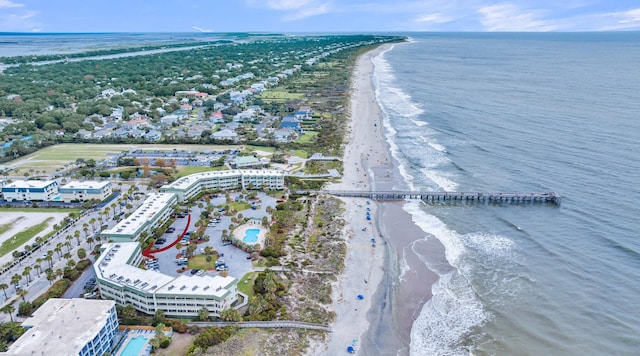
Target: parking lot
234,259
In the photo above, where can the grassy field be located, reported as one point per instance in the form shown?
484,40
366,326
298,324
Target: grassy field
245,285
51,158
22,237
187,170
301,153
280,95
237,206
200,262
307,137
40,210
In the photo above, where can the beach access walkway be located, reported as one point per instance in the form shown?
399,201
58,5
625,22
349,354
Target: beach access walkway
443,197
282,324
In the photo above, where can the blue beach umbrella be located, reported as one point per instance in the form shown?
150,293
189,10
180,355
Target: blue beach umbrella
360,296
351,350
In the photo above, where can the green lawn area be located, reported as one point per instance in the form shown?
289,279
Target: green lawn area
307,137
245,285
188,170
22,237
237,206
57,156
301,153
200,261
280,95
260,148
6,227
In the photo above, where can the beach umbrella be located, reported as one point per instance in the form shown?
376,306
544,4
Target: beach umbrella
360,296
351,350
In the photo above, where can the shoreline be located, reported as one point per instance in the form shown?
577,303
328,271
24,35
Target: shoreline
381,322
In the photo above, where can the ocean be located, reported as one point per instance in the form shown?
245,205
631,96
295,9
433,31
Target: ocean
521,112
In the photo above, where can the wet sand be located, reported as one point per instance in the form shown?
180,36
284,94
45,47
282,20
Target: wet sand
381,323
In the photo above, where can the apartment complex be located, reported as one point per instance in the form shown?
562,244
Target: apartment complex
83,327
87,190
29,190
153,212
120,279
189,186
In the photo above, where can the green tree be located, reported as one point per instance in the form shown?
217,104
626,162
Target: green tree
82,253
230,314
4,287
203,314
9,309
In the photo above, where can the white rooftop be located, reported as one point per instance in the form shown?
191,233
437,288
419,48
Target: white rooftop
86,185
30,184
186,182
151,206
112,265
62,327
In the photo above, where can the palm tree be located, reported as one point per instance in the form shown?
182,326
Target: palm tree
90,241
59,272
4,287
58,250
15,280
38,269
9,309
92,222
76,234
49,258
27,273
23,293
68,246
85,228
51,277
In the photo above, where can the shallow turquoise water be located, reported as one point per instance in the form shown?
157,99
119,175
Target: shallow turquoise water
134,346
251,235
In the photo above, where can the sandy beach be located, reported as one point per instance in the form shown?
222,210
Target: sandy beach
380,323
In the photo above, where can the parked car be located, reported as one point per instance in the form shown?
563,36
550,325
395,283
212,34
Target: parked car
194,271
200,273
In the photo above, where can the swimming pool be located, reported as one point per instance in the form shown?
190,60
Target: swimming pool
134,346
251,235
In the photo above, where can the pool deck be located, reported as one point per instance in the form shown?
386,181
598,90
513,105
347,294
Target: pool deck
133,333
240,232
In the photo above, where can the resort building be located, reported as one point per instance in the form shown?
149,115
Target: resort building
27,190
153,212
189,186
88,190
120,279
83,327
247,161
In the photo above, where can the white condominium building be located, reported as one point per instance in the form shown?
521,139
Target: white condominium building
153,212
87,190
189,186
84,327
120,279
27,190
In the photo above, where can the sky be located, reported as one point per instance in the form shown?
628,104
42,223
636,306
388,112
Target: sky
291,16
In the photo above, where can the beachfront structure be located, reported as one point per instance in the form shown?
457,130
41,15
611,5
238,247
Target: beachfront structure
153,212
120,279
247,161
83,327
188,187
27,190
87,190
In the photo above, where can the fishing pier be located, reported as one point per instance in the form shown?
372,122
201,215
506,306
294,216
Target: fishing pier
444,197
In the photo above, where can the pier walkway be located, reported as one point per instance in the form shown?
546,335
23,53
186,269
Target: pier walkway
551,197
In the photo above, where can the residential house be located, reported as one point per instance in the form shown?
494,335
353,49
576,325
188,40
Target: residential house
84,134
284,135
104,133
120,133
225,134
195,131
290,122
137,133
153,135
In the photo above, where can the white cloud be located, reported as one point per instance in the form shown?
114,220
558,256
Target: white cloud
508,17
287,4
7,4
433,18
315,10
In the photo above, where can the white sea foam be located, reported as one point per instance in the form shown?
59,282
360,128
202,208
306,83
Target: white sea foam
455,310
404,266
396,104
437,147
438,178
